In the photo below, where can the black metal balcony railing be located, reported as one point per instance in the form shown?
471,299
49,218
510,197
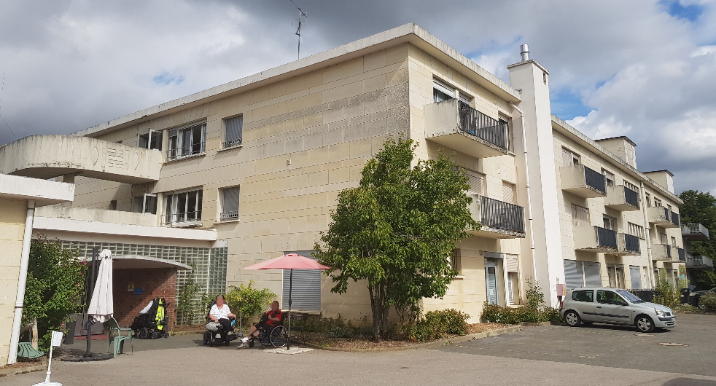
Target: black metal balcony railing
675,219
498,214
195,148
182,217
606,238
480,125
631,197
595,180
631,243
682,254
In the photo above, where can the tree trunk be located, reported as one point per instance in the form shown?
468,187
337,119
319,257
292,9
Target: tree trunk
35,338
379,309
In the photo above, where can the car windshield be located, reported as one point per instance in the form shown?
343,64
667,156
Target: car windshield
629,296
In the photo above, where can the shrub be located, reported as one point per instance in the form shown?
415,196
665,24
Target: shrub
437,324
708,302
248,301
493,313
666,294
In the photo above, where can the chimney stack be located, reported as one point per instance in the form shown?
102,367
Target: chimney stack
525,52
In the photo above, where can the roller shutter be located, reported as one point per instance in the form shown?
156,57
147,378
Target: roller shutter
635,277
573,274
306,293
592,274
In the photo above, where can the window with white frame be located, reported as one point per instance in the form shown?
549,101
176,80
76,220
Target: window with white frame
456,262
146,203
636,230
150,140
233,131
508,192
580,215
442,91
609,222
609,176
465,98
183,207
230,203
186,141
476,181
570,158
648,200
657,202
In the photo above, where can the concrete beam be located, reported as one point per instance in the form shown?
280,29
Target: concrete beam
43,192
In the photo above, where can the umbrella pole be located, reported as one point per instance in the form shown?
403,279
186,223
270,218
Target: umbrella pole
89,324
290,289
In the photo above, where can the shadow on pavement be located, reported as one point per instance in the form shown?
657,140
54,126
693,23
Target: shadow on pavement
689,382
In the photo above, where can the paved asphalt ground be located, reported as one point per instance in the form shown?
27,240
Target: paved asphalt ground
550,355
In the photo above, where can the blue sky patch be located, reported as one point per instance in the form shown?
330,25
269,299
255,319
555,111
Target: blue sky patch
568,105
689,12
166,78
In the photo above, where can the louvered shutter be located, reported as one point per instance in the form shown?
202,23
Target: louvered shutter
511,263
476,182
566,157
306,293
443,88
592,274
508,192
230,207
573,274
491,285
234,128
635,277
580,215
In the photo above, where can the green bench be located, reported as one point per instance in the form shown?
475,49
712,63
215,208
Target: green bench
25,350
116,335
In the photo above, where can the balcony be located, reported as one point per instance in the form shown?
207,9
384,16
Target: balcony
499,219
694,232
661,216
595,239
661,252
583,181
456,125
628,244
699,262
621,198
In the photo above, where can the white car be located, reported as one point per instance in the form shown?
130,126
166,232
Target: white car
614,306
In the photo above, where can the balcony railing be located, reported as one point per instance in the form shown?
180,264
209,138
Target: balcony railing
173,218
484,127
595,239
232,143
631,244
699,262
230,215
675,219
694,231
498,214
631,197
621,198
661,216
606,238
185,151
595,180
681,254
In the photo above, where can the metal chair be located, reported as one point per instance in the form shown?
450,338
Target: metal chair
116,336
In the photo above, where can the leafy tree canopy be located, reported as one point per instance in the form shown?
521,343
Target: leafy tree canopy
397,229
700,207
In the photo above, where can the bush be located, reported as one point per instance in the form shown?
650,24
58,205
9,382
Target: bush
437,324
248,301
708,302
666,294
493,313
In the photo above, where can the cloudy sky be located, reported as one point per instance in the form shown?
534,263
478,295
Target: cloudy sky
646,69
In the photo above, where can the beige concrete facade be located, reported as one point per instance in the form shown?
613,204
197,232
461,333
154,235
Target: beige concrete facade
12,228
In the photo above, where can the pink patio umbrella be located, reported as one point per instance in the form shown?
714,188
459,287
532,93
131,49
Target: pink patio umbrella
290,261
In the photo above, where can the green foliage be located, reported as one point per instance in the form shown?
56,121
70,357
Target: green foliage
493,313
700,207
397,229
186,298
437,324
708,302
535,296
55,286
665,293
248,300
704,280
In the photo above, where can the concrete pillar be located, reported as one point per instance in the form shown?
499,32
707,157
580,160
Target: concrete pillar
531,80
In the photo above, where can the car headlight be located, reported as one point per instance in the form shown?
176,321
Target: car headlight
659,312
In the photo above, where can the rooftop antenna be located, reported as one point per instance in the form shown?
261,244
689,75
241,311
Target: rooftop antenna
301,16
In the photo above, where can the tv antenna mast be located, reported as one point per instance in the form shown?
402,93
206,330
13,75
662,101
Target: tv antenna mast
301,16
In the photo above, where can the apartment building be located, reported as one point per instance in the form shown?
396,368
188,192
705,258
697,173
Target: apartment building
260,162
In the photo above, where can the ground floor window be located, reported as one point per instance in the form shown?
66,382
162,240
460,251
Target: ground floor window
616,275
306,289
635,274
582,274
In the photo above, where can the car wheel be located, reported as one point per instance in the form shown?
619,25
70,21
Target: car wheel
644,323
572,318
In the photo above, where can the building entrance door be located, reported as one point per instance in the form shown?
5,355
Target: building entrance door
491,281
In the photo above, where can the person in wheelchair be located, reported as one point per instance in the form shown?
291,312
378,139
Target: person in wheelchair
220,313
268,321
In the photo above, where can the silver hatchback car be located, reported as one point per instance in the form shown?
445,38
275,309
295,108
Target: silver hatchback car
614,306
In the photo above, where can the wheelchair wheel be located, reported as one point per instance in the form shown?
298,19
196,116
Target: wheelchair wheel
279,336
207,336
144,333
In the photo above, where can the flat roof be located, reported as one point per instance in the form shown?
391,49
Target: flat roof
406,33
660,171
624,137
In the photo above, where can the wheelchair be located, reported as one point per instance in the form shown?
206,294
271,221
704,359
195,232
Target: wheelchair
210,338
276,336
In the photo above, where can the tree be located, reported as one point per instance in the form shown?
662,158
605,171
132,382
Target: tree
55,285
700,207
397,229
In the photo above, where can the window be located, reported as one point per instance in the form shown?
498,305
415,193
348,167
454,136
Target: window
648,200
609,297
187,141
306,286
441,91
146,203
657,202
583,296
151,140
673,241
508,192
230,203
636,230
631,186
182,207
456,262
662,238
476,182
233,130
570,158
580,216
465,98
609,176
609,222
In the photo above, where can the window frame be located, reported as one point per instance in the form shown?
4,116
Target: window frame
225,215
575,209
609,181
611,302
176,148
572,157
171,203
613,225
590,292
443,88
236,142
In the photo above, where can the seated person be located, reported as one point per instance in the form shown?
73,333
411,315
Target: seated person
220,313
269,320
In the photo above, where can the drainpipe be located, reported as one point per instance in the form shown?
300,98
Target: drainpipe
648,235
24,262
529,197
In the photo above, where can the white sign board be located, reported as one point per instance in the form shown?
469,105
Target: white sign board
56,338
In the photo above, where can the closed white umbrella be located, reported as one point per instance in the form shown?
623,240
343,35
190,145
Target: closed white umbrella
101,307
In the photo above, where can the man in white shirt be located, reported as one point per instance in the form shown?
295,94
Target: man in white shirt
220,313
